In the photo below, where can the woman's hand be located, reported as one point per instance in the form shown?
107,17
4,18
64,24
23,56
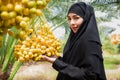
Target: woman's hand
49,59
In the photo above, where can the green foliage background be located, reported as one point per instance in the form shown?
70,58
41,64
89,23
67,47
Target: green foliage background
56,13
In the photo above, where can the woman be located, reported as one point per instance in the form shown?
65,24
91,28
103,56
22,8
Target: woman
82,56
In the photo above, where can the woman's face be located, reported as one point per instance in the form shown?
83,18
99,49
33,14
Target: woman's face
74,21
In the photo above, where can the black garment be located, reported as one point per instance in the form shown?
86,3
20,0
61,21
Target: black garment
82,56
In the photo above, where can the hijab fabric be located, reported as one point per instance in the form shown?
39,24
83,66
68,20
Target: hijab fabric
86,35
89,27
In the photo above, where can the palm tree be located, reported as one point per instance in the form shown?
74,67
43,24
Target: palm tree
57,10
55,13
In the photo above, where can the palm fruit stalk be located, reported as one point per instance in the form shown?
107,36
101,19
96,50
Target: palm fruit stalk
16,14
43,42
15,68
8,56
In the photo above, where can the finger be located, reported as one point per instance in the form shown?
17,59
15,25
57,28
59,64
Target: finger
44,57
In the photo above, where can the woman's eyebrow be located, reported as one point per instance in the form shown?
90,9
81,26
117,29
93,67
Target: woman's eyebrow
73,15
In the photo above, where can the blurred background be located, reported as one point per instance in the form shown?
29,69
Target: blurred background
107,14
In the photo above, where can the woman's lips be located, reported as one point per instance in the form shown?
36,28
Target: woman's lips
74,28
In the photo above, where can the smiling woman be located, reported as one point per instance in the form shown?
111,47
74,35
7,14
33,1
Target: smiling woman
74,21
82,55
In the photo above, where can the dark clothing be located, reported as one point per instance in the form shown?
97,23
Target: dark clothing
82,56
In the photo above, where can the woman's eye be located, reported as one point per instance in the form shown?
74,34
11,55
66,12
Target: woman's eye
76,17
69,19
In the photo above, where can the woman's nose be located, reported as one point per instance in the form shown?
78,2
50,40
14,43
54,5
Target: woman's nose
72,22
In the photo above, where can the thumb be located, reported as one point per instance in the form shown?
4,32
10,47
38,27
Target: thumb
45,57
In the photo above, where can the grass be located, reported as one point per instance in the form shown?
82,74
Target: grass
112,66
111,61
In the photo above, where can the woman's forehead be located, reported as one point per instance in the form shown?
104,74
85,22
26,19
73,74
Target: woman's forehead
72,14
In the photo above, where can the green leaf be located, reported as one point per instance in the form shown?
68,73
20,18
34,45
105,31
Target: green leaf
15,68
8,56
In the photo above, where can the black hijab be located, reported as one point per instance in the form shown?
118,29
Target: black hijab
88,28
85,41
88,31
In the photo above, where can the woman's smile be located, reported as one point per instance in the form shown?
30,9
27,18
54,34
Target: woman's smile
74,28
